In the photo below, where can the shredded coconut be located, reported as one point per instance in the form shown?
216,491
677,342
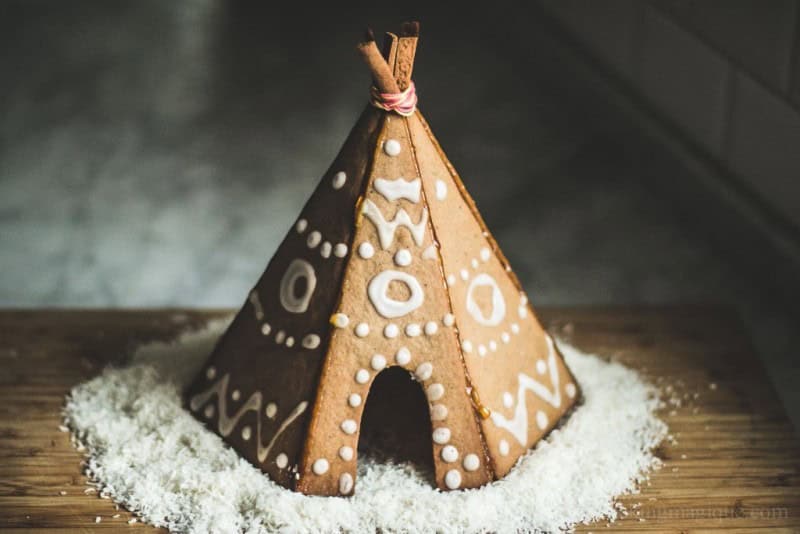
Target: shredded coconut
149,454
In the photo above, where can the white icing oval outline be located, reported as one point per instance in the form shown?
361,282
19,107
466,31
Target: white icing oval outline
299,268
498,301
391,308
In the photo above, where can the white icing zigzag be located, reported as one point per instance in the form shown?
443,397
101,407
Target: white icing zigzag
518,426
386,229
226,424
394,189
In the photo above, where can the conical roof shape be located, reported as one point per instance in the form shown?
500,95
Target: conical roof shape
388,264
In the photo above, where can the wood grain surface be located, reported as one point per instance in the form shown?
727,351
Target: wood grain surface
731,462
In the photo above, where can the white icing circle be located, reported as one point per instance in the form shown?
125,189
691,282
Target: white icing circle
441,190
413,330
340,320
280,336
311,341
485,254
508,399
448,319
345,483
378,362
338,180
209,411
424,371
503,447
349,426
515,328
366,250
290,341
392,147
211,372
452,479
314,239
391,308
346,453
498,302
325,249
438,412
522,311
391,331
449,454
474,263
505,337
354,400
471,462
402,257
270,410
403,356
362,376
451,280
362,329
435,392
541,367
431,328
429,253
466,345
523,299
266,329
541,420
493,345
464,274
301,226
236,395
281,460
482,350
441,435
320,466
298,269
570,390
247,433
340,250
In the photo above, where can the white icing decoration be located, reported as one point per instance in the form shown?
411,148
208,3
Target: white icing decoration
474,263
485,254
378,362
346,453
338,180
448,319
441,190
424,371
311,341
435,392
225,424
452,479
449,454
236,395
541,367
340,250
471,462
392,147
518,425
247,433
466,345
340,320
503,447
266,329
429,253
493,345
362,376
570,389
301,226
297,269
514,328
345,483
290,341
271,410
320,466
257,309
464,274
325,249
394,189
402,257
389,307
522,311
280,336
209,411
314,239
482,350
354,400
523,300
431,328
413,330
508,399
281,460
391,331
451,280
541,420
441,435
403,356
362,329
498,302
211,372
366,250
438,412
505,337
349,426
386,229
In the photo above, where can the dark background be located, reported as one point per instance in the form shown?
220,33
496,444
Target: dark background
154,153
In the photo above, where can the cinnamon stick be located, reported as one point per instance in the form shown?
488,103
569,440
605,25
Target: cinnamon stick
382,75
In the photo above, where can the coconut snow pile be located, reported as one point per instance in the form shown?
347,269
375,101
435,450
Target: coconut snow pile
151,456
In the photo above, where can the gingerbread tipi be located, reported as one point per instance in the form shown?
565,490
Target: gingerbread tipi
389,264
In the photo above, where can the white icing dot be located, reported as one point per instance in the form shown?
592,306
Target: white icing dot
431,328
466,345
301,226
570,389
503,447
209,411
366,250
211,372
346,453
449,454
541,367
523,312
441,435
505,337
311,341
345,483
362,376
280,337
236,395
247,433
402,257
290,341
340,250
413,330
320,466
378,362
271,410
424,371
349,426
471,462
452,479
325,249
429,253
392,147
464,274
451,280
523,300
441,190
403,356
438,412
482,350
362,329
266,329
314,239
508,400
515,328
391,331
493,346
354,400
435,392
474,263
281,460
541,420
338,180
485,254
448,319
340,320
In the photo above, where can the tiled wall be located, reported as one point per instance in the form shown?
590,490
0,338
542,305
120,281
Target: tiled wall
726,73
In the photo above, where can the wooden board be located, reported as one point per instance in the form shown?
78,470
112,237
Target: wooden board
732,462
